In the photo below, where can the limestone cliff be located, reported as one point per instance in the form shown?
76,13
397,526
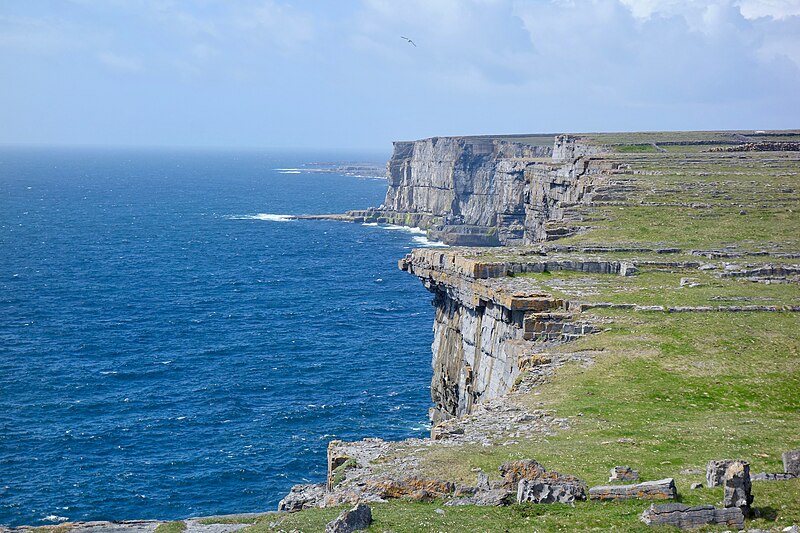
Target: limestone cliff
489,324
482,191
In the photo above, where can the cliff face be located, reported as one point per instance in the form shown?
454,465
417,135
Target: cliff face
482,191
489,325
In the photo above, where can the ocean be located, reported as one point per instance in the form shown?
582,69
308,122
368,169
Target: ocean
170,346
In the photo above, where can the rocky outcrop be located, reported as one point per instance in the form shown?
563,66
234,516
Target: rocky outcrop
663,489
483,191
685,517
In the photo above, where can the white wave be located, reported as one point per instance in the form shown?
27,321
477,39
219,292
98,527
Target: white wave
288,172
108,373
288,169
54,518
364,224
263,216
426,243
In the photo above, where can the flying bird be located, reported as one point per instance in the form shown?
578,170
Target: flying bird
409,40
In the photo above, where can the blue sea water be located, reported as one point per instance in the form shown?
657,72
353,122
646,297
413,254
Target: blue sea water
167,351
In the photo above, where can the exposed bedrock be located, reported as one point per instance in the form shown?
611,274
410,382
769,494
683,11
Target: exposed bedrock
477,191
486,333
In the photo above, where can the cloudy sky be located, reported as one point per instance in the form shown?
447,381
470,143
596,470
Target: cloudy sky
336,74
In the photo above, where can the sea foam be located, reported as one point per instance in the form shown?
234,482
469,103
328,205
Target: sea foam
271,217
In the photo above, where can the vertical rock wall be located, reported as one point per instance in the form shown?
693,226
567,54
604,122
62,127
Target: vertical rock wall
483,191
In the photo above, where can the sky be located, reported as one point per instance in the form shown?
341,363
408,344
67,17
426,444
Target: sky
337,74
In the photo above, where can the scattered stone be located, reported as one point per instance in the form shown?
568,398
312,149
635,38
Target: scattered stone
685,517
791,462
715,470
551,487
514,471
356,519
690,282
301,497
771,476
697,486
791,529
663,489
736,483
623,473
438,511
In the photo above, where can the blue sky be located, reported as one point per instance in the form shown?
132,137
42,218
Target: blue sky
336,74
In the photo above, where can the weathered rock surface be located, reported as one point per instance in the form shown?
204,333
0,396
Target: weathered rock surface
487,498
791,462
685,517
715,471
356,519
482,191
304,496
736,485
663,489
623,473
551,487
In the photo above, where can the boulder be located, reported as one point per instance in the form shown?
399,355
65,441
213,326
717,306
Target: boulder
715,469
791,462
663,489
356,519
685,517
301,497
736,485
551,487
623,473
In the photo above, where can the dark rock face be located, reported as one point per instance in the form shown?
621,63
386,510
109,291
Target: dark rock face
791,462
685,517
736,482
356,519
663,489
302,497
715,470
623,473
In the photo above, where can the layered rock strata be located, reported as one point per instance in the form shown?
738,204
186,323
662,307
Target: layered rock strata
488,331
481,191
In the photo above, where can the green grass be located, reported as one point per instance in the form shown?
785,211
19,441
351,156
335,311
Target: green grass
694,228
171,527
635,148
654,286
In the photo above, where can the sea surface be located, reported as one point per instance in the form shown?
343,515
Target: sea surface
170,346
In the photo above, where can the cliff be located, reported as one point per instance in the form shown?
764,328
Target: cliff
482,191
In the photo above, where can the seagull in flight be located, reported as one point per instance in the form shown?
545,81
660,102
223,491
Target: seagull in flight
409,40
